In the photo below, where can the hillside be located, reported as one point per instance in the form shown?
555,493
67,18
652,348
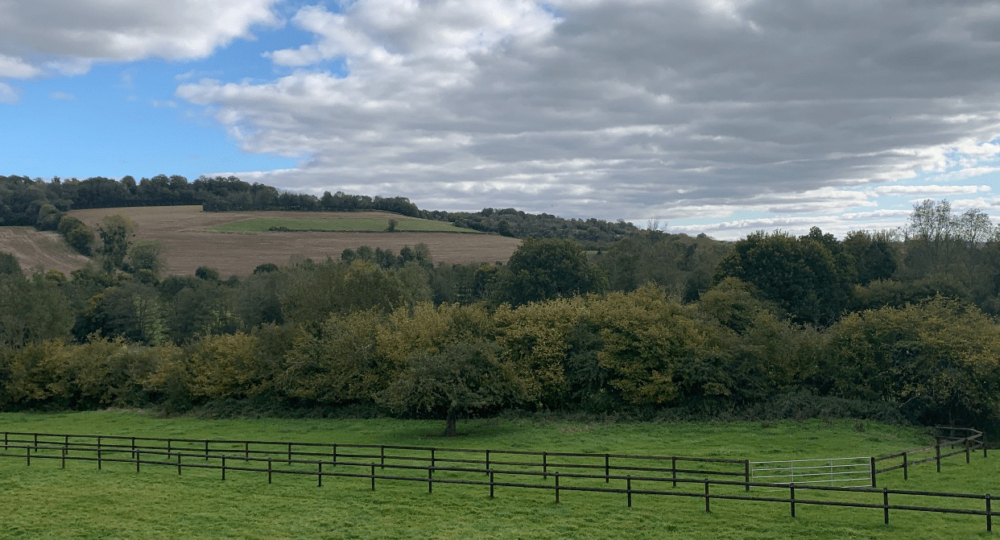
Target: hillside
34,248
187,241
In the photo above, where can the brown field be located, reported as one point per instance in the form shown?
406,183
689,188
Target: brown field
186,245
45,249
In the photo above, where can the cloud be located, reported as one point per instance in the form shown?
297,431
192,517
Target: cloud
62,96
67,37
15,68
930,190
621,110
8,95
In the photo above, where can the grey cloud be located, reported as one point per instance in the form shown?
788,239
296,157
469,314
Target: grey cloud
624,110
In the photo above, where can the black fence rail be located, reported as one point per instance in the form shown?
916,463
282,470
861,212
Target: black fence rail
946,439
499,469
605,465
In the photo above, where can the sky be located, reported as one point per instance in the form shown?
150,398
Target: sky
715,116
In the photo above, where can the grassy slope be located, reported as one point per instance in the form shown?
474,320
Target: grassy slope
81,502
360,224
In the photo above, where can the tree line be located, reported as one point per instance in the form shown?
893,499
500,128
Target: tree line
39,203
655,322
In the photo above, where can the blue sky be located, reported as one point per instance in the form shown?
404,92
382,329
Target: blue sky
716,116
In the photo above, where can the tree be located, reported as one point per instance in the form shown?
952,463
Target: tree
550,268
801,275
116,234
146,256
463,378
9,266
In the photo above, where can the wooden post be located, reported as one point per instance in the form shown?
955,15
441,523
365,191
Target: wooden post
989,514
628,489
373,476
206,450
269,470
430,479
607,468
246,451
871,464
289,453
223,468
906,468
319,474
433,459
64,458
491,483
98,458
489,471
746,476
133,447
179,454
138,460
27,454
673,469
383,456
937,454
791,496
885,504
334,455
708,508
557,487
545,465
966,451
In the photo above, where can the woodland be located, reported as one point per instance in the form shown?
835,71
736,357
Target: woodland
587,316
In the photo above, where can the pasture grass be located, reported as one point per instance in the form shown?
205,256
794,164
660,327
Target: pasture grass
345,224
43,501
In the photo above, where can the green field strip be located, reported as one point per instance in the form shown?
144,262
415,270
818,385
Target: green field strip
346,224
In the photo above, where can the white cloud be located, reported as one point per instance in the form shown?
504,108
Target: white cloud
67,37
16,68
930,190
8,95
62,96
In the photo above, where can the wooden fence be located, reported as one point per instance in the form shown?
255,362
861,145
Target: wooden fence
967,440
685,477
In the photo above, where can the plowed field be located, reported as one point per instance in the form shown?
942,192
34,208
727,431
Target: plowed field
44,249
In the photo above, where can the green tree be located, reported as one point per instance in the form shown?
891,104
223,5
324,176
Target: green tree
462,378
550,268
116,234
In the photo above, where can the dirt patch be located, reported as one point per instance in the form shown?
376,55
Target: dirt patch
45,249
186,245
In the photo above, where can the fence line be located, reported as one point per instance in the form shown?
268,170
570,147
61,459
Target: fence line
135,451
974,440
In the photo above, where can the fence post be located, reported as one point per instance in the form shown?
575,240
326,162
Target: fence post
906,468
383,456
319,474
289,453
871,464
708,508
373,476
791,496
885,504
64,458
491,483
335,455
557,487
628,489
545,465
937,454
27,454
989,514
488,463
133,447
246,451
223,468
607,468
746,474
433,459
430,479
138,460
5,443
98,458
673,469
269,470
179,454
206,450
966,450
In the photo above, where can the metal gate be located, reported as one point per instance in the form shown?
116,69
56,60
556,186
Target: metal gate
847,472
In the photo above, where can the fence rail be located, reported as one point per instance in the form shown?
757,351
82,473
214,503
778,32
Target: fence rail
328,461
968,440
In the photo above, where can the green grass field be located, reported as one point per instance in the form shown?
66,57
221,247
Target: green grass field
43,501
360,224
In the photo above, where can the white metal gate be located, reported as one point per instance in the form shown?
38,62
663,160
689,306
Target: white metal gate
847,472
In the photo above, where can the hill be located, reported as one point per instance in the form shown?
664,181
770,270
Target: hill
34,248
188,240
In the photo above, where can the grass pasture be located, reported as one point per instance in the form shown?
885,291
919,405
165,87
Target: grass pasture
43,501
190,238
339,224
